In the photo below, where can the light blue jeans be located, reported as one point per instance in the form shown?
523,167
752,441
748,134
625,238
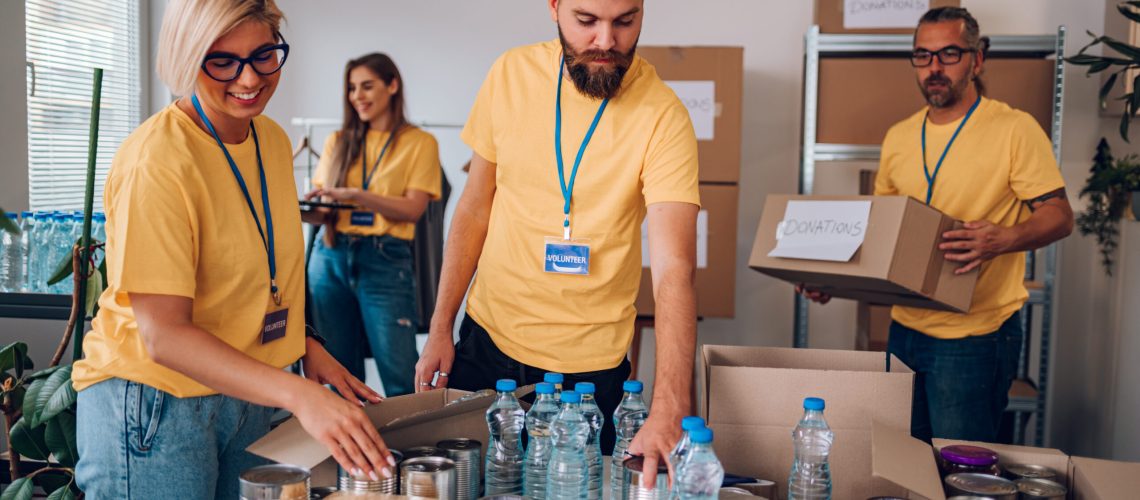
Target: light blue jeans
363,290
137,442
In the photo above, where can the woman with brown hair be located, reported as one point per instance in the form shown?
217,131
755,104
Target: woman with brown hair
360,273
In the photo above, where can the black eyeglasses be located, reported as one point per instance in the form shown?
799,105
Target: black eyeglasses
226,67
952,54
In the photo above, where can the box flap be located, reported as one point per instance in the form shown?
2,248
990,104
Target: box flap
904,461
1096,479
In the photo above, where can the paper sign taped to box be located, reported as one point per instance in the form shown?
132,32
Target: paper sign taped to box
883,13
702,240
822,230
699,97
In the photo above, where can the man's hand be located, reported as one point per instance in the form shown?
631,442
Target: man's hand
813,295
978,242
320,367
654,442
438,355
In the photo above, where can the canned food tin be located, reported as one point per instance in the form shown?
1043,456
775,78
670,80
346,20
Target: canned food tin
631,478
423,451
432,477
321,492
274,482
466,455
503,497
363,484
1037,489
985,485
968,497
1021,471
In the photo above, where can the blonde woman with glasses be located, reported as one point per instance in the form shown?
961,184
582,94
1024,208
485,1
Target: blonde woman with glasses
204,306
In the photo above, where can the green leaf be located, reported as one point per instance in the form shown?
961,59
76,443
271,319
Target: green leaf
20,489
56,395
1124,119
15,356
1129,51
17,394
63,493
30,397
1127,9
29,441
94,290
60,439
1083,59
63,269
51,481
45,373
6,223
1107,87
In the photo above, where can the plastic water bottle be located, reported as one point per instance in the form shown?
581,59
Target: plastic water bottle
99,234
11,259
556,379
42,251
811,476
61,244
28,241
688,425
505,421
700,474
566,475
629,416
594,416
538,421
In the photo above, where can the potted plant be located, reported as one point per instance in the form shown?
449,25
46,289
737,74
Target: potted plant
1111,190
1126,57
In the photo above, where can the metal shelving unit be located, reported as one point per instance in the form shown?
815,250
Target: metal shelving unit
1026,396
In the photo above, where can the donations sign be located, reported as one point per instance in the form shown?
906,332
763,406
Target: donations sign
822,230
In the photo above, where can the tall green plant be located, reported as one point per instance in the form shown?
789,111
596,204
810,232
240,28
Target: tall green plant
1108,190
1126,57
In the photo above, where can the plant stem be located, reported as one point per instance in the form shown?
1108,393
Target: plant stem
10,418
75,307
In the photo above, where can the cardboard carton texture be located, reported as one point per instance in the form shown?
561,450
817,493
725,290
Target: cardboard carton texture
829,15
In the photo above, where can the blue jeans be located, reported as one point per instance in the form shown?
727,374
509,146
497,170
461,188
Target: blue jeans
961,386
363,290
137,442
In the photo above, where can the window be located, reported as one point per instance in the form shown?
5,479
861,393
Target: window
66,40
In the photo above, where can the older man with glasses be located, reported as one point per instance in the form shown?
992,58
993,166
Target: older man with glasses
983,162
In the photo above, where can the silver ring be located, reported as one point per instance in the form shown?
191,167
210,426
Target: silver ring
425,384
443,374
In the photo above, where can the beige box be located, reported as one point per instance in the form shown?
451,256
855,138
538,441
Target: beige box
898,263
906,462
716,282
724,66
829,17
752,398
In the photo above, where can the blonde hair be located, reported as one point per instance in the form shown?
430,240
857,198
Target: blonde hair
190,27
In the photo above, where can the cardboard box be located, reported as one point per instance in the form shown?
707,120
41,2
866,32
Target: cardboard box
829,15
404,421
888,92
872,327
710,81
898,263
716,272
752,398
909,463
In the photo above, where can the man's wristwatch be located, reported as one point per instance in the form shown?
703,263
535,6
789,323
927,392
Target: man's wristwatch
311,332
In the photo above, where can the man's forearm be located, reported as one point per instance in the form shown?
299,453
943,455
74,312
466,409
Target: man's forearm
1050,222
676,334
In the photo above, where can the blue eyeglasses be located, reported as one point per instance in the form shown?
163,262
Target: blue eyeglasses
226,67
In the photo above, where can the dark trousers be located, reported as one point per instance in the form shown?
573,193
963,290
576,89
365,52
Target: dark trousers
479,363
961,386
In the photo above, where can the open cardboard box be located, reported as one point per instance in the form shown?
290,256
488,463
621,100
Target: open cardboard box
752,398
906,462
898,263
421,419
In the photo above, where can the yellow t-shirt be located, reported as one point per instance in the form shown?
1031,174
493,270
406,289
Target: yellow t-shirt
177,224
999,160
412,162
644,151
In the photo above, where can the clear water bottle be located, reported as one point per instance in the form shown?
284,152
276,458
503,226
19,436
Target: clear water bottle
688,425
700,474
556,379
811,476
594,416
538,421
99,234
28,240
566,475
629,416
505,421
11,258
43,251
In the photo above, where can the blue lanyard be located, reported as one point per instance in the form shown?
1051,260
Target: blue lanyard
568,189
365,180
926,170
268,243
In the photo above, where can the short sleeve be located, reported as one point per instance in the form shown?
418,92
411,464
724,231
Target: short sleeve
884,185
425,172
151,238
671,168
1033,168
324,166
479,132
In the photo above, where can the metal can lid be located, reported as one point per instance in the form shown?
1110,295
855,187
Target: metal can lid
427,464
968,455
982,484
1041,488
459,444
968,497
637,463
1030,471
423,451
274,475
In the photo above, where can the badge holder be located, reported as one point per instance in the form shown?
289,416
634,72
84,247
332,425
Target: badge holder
564,255
361,218
276,321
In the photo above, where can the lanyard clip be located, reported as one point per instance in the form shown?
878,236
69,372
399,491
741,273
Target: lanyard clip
566,227
275,291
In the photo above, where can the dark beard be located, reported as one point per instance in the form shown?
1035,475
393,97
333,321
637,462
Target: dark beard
603,84
953,94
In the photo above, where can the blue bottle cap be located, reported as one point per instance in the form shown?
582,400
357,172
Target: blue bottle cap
813,404
702,435
584,387
571,397
25,214
554,378
544,388
506,384
13,215
692,423
634,386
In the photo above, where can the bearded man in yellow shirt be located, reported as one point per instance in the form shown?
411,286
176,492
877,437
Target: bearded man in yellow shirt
980,161
576,141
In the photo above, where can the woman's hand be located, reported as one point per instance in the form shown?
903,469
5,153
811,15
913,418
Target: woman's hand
345,430
320,367
341,194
